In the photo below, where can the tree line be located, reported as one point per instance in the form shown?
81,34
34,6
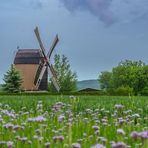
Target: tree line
127,78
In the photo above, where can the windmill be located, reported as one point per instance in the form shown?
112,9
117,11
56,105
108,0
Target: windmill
45,62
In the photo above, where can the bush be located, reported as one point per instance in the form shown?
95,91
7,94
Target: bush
144,92
124,91
120,91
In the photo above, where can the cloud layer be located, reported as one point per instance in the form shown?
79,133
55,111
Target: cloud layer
107,11
111,11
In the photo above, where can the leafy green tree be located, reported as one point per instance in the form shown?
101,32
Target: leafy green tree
66,77
105,79
12,80
128,74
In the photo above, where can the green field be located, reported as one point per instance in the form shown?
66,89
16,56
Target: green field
73,122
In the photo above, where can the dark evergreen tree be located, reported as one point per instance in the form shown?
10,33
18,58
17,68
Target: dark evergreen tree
12,81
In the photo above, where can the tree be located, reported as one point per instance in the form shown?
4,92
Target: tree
128,75
105,79
66,77
12,80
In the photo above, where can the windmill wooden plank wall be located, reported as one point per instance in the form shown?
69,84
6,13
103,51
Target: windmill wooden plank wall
27,62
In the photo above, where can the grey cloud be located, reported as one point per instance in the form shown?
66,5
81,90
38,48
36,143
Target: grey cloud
111,11
99,8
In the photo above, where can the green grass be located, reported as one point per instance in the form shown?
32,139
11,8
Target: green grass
80,113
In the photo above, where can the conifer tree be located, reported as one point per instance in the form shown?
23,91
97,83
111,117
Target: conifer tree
12,80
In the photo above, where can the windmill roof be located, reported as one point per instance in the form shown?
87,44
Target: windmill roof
27,56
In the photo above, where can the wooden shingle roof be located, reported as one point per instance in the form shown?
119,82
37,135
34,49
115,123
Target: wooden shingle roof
27,56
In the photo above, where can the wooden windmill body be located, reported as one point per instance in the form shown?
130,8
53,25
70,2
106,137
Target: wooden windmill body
27,62
34,66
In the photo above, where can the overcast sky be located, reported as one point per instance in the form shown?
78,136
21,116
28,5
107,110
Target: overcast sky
95,35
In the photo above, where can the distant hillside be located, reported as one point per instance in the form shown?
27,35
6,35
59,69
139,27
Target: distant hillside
88,84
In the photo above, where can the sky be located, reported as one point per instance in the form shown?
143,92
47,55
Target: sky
95,35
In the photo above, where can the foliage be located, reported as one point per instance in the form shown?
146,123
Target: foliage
105,79
66,77
12,81
133,74
121,91
144,92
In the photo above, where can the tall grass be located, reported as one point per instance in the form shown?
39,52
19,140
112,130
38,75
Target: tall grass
68,121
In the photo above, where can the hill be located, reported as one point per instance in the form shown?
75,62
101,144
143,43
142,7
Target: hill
88,84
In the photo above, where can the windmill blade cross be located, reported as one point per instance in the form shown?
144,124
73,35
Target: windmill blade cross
56,40
43,65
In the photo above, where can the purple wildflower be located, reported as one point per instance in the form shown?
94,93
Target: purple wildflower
9,144
58,106
47,144
38,132
40,119
29,142
2,142
120,131
17,137
119,106
134,135
102,139
143,135
136,115
8,126
1,119
41,139
76,145
61,118
72,97
98,146
56,138
119,145
24,139
95,127
35,137
61,138
37,119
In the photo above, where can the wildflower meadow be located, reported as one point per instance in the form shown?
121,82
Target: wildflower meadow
73,122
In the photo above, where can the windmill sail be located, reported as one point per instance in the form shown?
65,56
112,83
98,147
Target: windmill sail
53,46
40,41
39,74
54,79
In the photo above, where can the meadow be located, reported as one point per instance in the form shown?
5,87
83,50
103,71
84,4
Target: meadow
73,122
